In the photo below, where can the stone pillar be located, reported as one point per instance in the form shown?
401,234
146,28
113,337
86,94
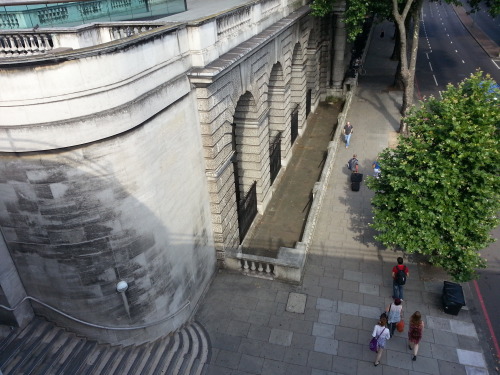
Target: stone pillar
298,90
12,291
279,115
338,54
313,78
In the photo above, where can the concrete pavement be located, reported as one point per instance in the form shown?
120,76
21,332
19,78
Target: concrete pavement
347,280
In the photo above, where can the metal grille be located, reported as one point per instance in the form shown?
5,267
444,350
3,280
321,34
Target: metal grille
247,209
275,156
308,102
295,124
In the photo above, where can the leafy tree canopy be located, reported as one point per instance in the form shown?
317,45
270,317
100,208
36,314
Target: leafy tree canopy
356,11
439,189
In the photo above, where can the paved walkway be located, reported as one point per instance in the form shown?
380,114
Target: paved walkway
347,280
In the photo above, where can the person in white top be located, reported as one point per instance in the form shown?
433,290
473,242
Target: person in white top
381,332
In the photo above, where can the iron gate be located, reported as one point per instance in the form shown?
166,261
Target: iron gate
247,209
275,156
308,102
295,124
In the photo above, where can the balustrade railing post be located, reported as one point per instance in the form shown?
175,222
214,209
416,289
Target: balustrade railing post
18,45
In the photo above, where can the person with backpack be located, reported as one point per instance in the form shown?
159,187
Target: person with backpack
353,164
376,169
399,275
415,333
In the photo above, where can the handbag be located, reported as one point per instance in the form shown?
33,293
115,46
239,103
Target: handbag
374,342
384,314
400,326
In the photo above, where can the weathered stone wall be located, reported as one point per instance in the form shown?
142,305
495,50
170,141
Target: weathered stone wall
12,292
132,207
258,95
113,167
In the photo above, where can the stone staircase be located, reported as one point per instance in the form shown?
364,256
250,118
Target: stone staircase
43,348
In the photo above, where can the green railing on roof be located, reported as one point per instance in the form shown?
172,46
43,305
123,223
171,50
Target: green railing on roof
82,12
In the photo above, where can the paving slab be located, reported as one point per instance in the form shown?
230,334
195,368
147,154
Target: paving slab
470,358
296,303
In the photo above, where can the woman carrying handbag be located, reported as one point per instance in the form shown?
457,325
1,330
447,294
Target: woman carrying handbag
394,314
381,333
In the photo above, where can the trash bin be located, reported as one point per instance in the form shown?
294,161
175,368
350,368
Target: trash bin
453,298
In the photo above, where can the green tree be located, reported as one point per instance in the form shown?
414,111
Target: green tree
406,15
439,189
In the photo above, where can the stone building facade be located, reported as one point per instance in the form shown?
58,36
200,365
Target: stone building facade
124,156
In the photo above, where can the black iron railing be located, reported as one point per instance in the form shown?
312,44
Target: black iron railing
308,102
275,156
295,124
247,210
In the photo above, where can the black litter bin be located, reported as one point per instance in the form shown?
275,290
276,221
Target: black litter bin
453,298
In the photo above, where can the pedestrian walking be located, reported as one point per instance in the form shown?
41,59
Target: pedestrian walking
415,333
376,169
381,332
399,275
347,131
353,164
394,314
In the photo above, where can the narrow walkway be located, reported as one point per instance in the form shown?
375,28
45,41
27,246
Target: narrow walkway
283,222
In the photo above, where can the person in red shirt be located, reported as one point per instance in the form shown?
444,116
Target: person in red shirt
399,275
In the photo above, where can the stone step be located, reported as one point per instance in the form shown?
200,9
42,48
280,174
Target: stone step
43,348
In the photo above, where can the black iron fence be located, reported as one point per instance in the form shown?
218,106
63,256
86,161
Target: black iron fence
247,209
275,156
308,102
295,124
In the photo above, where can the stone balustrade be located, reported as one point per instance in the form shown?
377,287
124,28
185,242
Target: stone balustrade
27,43
230,29
12,45
238,19
258,268
287,266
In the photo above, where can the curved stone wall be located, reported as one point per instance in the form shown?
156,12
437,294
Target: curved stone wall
91,95
116,161
132,207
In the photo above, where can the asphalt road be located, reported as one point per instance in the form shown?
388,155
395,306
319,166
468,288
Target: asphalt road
448,54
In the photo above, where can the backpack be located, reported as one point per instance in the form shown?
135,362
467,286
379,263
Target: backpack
351,164
401,276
